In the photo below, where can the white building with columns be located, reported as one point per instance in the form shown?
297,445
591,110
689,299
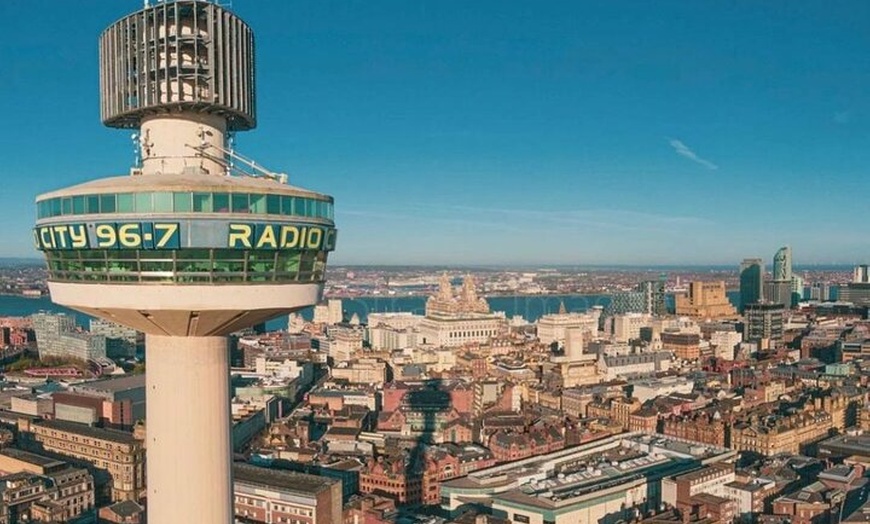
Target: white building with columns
456,319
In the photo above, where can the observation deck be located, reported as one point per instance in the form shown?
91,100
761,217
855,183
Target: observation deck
187,254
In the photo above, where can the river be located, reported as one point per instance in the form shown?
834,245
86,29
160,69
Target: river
529,307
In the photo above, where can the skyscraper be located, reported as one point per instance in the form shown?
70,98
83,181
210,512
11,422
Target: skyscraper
782,264
779,289
751,281
197,243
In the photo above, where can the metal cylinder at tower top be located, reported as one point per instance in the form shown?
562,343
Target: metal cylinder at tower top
187,55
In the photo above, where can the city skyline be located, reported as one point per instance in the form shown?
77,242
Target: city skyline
452,133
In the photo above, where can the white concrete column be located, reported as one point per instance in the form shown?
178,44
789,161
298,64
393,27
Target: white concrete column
189,446
171,142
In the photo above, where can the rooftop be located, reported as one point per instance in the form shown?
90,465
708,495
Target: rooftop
607,464
180,182
120,437
32,458
126,508
281,479
699,474
114,385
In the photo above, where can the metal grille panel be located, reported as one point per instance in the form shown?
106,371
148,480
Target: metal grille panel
178,56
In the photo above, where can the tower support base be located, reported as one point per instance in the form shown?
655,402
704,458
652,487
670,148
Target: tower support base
189,446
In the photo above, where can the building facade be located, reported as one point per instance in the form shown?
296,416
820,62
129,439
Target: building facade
786,435
121,341
764,322
554,327
56,336
705,300
456,319
270,496
751,281
116,458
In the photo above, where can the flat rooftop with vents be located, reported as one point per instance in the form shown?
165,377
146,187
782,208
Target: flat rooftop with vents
615,474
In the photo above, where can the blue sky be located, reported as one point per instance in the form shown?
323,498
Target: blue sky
501,131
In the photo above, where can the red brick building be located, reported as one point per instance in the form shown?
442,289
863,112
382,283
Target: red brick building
509,446
698,427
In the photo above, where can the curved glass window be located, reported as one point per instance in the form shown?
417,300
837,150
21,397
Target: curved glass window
185,202
206,266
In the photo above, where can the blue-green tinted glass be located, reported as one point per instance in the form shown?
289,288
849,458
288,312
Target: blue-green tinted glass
288,262
92,204
258,204
163,202
221,203
66,203
202,202
240,203
125,203
78,204
299,206
55,207
107,203
273,204
286,205
143,202
181,202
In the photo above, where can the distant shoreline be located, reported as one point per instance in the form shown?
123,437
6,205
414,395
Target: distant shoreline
5,294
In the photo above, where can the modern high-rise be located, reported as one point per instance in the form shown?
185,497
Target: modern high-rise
654,296
197,242
778,292
648,297
751,281
779,289
121,341
625,302
858,290
782,264
57,336
764,323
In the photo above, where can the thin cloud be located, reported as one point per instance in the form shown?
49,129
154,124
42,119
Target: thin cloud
683,150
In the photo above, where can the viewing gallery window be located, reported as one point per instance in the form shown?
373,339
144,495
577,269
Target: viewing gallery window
201,266
185,202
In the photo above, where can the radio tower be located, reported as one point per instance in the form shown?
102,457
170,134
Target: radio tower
189,247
